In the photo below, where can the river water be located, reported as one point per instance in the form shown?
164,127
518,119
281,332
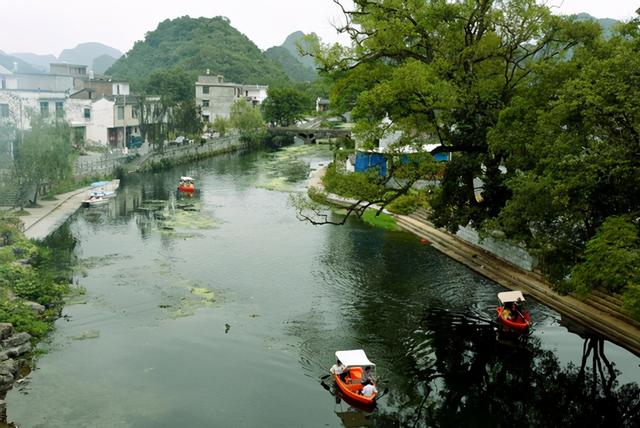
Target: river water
224,310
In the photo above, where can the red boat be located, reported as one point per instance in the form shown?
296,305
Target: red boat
351,387
511,313
187,185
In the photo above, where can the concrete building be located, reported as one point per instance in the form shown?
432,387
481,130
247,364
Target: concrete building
62,68
94,88
215,97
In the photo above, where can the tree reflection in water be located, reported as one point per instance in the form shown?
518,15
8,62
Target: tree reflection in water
462,376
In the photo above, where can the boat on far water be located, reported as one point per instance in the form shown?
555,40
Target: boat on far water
187,185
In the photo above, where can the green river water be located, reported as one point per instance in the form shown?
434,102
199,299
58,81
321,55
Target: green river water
224,310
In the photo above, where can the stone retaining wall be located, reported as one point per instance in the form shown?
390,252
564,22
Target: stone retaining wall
14,351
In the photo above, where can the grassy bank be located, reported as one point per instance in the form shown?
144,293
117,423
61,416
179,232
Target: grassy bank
30,274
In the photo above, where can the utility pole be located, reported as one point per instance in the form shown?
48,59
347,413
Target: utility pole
124,117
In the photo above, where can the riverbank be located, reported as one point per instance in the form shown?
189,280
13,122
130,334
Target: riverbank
50,214
598,313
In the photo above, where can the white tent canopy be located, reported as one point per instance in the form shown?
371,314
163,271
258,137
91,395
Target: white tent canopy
354,358
186,179
510,296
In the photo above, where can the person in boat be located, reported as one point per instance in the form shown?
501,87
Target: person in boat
367,375
518,308
368,389
507,311
339,369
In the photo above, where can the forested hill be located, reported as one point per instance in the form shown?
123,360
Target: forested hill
198,44
299,68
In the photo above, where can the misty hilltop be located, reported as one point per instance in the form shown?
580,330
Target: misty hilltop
197,45
299,68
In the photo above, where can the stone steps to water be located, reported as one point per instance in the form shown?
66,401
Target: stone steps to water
598,317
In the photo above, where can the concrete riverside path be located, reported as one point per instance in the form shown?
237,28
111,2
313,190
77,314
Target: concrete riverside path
599,313
43,220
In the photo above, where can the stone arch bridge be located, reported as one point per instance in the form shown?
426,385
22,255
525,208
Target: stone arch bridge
310,135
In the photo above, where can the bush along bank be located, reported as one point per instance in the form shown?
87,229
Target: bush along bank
32,290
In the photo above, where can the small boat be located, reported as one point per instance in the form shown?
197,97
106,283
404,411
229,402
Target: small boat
511,313
355,361
95,201
187,185
102,193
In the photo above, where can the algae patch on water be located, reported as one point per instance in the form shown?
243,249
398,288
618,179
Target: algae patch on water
206,294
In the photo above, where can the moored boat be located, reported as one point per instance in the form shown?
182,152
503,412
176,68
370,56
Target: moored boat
511,313
95,201
351,384
187,185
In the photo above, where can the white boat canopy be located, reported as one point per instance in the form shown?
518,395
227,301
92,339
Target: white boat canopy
354,358
510,296
186,179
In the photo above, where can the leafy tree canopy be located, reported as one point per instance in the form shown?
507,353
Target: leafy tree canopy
248,121
284,106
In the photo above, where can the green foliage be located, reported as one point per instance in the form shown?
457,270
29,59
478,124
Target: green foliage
381,220
220,125
44,158
195,45
186,119
295,70
406,204
37,281
173,85
23,319
631,300
285,106
612,258
248,121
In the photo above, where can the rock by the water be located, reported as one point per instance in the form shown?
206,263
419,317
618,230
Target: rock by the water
19,350
35,307
9,367
6,330
16,340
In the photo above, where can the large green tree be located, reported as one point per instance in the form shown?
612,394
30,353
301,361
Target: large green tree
247,120
285,106
44,158
444,71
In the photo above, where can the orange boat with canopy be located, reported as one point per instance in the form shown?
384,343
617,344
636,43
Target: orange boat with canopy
187,185
351,387
511,313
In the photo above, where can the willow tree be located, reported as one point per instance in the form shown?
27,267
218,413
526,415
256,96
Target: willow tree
442,71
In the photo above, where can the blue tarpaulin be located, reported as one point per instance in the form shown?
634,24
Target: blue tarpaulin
366,161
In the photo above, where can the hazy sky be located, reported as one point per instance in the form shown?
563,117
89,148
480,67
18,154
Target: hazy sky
49,26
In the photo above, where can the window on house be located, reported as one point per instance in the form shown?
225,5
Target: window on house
59,109
135,112
87,113
4,83
205,103
205,89
4,111
121,113
44,109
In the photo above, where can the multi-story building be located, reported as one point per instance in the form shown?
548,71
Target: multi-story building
215,97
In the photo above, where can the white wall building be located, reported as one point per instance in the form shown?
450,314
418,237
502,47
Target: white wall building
215,97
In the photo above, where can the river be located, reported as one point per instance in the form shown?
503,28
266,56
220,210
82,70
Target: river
224,310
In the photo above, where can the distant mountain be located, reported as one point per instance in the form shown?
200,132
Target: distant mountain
196,45
607,24
40,62
7,61
85,53
294,69
102,63
291,44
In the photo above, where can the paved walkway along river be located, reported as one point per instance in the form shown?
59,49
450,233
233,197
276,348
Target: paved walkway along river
605,319
222,309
